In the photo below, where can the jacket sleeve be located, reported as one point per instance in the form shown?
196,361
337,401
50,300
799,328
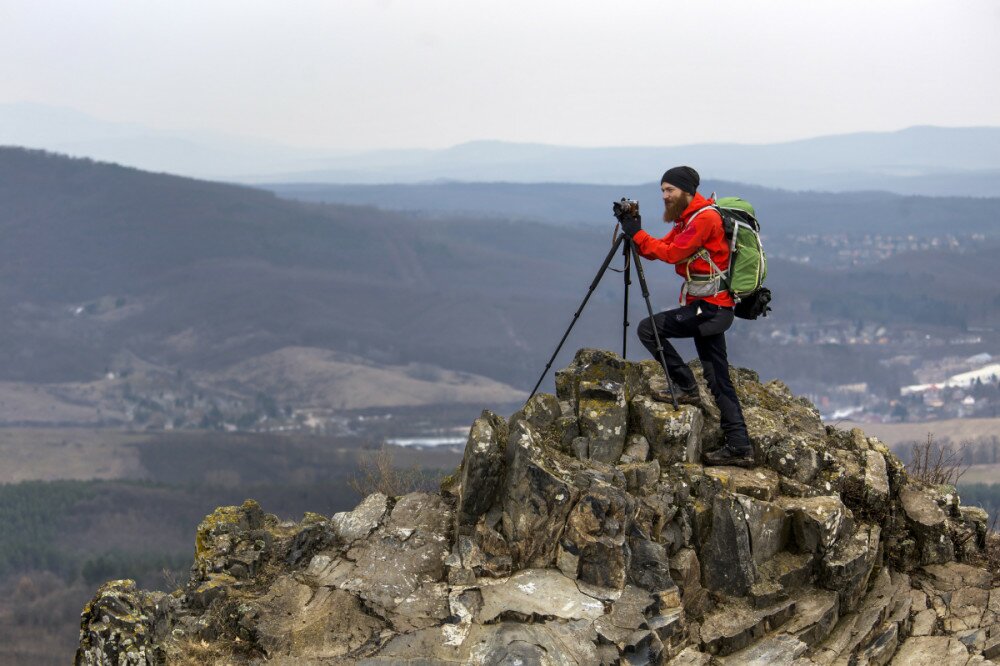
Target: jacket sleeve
677,245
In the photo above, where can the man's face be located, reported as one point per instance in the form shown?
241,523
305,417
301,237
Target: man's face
675,200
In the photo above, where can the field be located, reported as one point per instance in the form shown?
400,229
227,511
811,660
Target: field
952,430
988,474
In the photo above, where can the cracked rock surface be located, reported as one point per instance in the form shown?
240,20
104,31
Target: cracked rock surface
584,530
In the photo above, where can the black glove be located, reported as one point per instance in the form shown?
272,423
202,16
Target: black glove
631,225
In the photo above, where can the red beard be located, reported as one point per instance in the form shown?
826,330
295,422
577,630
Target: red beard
673,210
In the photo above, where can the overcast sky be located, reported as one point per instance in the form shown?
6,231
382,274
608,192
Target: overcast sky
434,73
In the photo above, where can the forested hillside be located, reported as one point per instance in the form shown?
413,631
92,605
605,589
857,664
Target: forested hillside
216,281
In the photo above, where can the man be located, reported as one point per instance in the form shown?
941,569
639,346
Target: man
697,247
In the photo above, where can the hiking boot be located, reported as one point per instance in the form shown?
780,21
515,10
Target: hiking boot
728,456
691,397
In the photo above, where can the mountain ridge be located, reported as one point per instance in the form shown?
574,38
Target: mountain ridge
907,160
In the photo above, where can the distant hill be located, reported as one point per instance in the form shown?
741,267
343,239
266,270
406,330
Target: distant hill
935,161
917,160
99,258
782,212
199,154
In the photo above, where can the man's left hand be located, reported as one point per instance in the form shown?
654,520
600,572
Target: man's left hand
631,225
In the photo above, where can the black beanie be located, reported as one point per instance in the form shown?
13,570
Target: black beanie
683,178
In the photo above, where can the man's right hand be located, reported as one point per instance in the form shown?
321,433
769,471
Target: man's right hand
631,225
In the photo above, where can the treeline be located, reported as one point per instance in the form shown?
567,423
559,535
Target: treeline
99,530
59,540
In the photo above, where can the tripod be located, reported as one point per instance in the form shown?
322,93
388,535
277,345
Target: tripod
631,256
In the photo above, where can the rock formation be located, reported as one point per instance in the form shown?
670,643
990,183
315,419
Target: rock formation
584,530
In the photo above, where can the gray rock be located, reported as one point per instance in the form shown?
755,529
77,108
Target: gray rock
790,570
930,651
880,650
643,647
856,630
673,436
876,484
485,552
650,567
408,551
483,464
769,528
117,627
641,477
307,623
600,371
426,606
777,650
233,540
765,593
991,649
817,522
540,411
795,458
603,418
328,569
536,500
542,592
568,430
595,535
556,643
686,572
559,643
530,555
928,523
734,627
628,614
690,656
816,613
846,567
924,623
760,483
956,575
349,526
727,561
670,627
636,449
966,608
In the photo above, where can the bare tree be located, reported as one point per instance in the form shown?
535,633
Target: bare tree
937,464
377,473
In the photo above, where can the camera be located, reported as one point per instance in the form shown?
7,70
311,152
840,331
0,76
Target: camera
625,208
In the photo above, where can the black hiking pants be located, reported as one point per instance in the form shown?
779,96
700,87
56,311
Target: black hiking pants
707,323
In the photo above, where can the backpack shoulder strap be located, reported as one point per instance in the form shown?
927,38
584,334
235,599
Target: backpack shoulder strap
702,210
702,253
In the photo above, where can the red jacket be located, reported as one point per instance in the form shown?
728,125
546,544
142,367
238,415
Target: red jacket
686,238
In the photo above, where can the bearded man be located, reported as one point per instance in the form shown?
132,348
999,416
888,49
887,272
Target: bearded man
696,245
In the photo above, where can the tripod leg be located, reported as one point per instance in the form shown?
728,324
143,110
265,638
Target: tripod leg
576,315
628,282
649,307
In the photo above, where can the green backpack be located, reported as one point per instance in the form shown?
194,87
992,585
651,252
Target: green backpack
747,263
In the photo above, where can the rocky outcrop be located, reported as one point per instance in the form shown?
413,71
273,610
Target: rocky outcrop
584,530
